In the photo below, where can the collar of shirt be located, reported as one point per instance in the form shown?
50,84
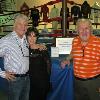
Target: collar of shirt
19,39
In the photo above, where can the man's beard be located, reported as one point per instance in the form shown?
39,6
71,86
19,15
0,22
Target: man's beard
84,38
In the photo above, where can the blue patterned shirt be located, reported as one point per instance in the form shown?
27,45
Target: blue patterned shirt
15,53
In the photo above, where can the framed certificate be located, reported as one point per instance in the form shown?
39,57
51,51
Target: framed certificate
64,45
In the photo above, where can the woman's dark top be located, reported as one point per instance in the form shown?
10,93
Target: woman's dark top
39,74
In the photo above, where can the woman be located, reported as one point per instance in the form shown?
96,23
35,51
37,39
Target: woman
39,67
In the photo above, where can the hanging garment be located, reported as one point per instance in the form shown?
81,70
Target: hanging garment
86,10
35,17
44,12
75,13
24,9
67,12
53,14
95,12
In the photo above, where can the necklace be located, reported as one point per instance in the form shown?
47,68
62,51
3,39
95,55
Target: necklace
26,44
84,44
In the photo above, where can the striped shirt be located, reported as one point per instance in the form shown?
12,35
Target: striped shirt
15,53
86,59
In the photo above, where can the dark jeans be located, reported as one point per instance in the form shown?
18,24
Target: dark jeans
19,88
87,89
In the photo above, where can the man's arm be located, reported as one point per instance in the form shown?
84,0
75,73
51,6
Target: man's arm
3,50
66,61
2,73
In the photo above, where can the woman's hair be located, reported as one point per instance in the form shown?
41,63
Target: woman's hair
32,29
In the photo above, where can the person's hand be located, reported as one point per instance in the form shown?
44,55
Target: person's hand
64,63
9,76
42,47
39,46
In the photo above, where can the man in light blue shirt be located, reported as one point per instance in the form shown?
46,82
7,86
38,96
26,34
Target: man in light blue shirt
14,49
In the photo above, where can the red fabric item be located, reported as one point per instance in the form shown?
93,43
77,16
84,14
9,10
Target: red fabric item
45,12
55,35
24,9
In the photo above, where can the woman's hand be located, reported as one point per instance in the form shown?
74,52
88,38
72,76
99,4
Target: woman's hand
42,47
39,46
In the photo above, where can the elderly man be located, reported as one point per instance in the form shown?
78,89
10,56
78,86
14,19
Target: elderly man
86,61
14,49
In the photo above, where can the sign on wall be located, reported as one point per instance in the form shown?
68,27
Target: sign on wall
64,45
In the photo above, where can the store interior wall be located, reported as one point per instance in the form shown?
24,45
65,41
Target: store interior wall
32,3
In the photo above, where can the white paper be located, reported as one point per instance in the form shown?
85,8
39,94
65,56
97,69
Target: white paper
64,45
54,52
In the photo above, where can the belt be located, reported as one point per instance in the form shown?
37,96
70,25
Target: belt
86,79
21,75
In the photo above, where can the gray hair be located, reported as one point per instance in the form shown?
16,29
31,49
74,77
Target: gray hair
84,21
20,17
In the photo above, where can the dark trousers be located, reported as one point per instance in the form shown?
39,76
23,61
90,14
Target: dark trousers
87,89
38,89
19,88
